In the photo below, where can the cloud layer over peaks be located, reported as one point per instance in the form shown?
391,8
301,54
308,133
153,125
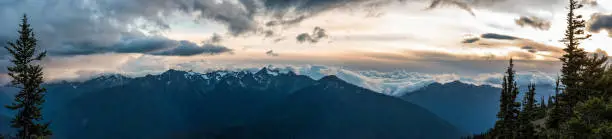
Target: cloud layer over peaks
600,22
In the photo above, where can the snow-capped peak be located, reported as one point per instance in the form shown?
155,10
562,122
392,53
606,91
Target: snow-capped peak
110,78
268,71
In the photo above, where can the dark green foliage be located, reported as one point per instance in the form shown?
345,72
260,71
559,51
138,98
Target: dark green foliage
592,120
508,113
551,102
605,83
526,129
28,77
580,111
541,109
594,69
581,107
555,113
574,61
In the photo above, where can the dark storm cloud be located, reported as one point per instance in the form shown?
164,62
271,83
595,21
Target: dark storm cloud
493,40
79,24
310,5
93,26
238,17
309,8
286,22
498,36
144,45
82,27
534,22
148,45
601,22
187,48
291,12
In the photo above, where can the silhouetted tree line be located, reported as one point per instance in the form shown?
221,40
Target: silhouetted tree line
581,107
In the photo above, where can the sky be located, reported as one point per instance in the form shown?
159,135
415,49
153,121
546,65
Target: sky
453,39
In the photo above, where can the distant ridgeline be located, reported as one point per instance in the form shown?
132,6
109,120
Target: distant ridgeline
469,107
264,104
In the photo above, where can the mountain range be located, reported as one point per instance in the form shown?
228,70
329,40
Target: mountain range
472,108
222,104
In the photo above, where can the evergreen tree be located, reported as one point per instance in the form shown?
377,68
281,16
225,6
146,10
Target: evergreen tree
555,114
557,85
594,70
592,120
551,102
28,77
507,123
541,109
605,82
572,70
526,129
573,60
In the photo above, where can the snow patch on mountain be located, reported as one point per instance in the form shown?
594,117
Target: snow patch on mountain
394,83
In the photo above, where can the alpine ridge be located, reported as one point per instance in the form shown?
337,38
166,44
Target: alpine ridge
182,104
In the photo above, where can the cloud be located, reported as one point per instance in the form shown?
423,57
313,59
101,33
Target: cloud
82,27
237,16
507,6
460,4
215,39
291,12
62,24
492,40
186,48
144,45
317,34
590,2
279,39
599,22
268,33
534,22
395,82
497,36
315,6
471,40
286,22
377,37
271,53
530,49
303,37
81,24
520,7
